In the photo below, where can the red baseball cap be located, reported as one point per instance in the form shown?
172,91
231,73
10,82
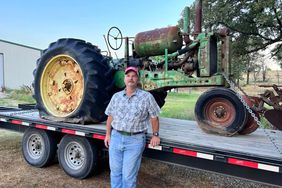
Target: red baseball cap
134,69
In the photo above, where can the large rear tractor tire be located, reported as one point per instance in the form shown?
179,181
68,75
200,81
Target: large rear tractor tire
73,82
159,96
219,111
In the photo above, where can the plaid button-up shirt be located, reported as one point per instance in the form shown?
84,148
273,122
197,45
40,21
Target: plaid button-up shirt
132,114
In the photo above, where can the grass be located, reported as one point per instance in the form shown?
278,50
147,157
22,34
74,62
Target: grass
23,94
180,105
9,140
13,97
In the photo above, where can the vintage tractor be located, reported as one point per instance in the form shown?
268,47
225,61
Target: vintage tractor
74,82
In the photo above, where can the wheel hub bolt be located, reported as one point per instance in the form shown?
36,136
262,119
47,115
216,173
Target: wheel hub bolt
220,112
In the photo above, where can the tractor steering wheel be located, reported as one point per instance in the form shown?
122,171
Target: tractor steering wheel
114,38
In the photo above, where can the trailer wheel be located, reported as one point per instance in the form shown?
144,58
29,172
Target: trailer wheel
78,156
159,97
220,111
73,82
39,147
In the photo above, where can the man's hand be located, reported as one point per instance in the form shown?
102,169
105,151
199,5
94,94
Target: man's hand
155,141
108,131
107,141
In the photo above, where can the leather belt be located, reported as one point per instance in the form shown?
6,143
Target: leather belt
129,133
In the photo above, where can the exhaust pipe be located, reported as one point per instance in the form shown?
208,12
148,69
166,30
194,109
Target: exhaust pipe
198,17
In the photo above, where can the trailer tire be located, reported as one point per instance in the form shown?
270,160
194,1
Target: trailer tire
78,156
220,111
73,82
39,147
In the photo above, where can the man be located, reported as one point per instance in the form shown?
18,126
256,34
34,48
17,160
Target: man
129,113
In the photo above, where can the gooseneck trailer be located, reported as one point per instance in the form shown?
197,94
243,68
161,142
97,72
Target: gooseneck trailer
80,148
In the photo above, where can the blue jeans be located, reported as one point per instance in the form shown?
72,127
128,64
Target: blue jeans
125,153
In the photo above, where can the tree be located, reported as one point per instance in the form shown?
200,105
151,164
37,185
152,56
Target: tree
254,24
278,56
249,68
237,68
257,65
261,61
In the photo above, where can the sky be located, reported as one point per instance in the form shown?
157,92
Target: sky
37,23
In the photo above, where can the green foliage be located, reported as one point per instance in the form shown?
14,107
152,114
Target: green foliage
13,97
278,51
265,123
21,95
238,66
180,105
254,25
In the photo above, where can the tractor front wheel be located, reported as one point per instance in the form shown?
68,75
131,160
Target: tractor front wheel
220,111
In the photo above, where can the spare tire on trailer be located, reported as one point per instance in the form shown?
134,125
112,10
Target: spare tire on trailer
73,82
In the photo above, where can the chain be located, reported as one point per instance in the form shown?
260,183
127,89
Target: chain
233,88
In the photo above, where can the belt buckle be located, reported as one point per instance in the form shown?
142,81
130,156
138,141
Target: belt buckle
129,133
125,133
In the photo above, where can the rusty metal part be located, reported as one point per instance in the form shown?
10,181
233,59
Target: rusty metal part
188,68
189,63
220,111
225,56
223,32
126,53
154,42
269,85
271,98
198,17
250,125
274,117
62,86
257,106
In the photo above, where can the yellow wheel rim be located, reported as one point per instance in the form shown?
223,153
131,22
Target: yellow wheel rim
62,86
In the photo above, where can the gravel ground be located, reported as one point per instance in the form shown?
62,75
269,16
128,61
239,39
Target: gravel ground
15,172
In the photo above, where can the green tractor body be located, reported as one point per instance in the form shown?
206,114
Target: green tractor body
210,58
